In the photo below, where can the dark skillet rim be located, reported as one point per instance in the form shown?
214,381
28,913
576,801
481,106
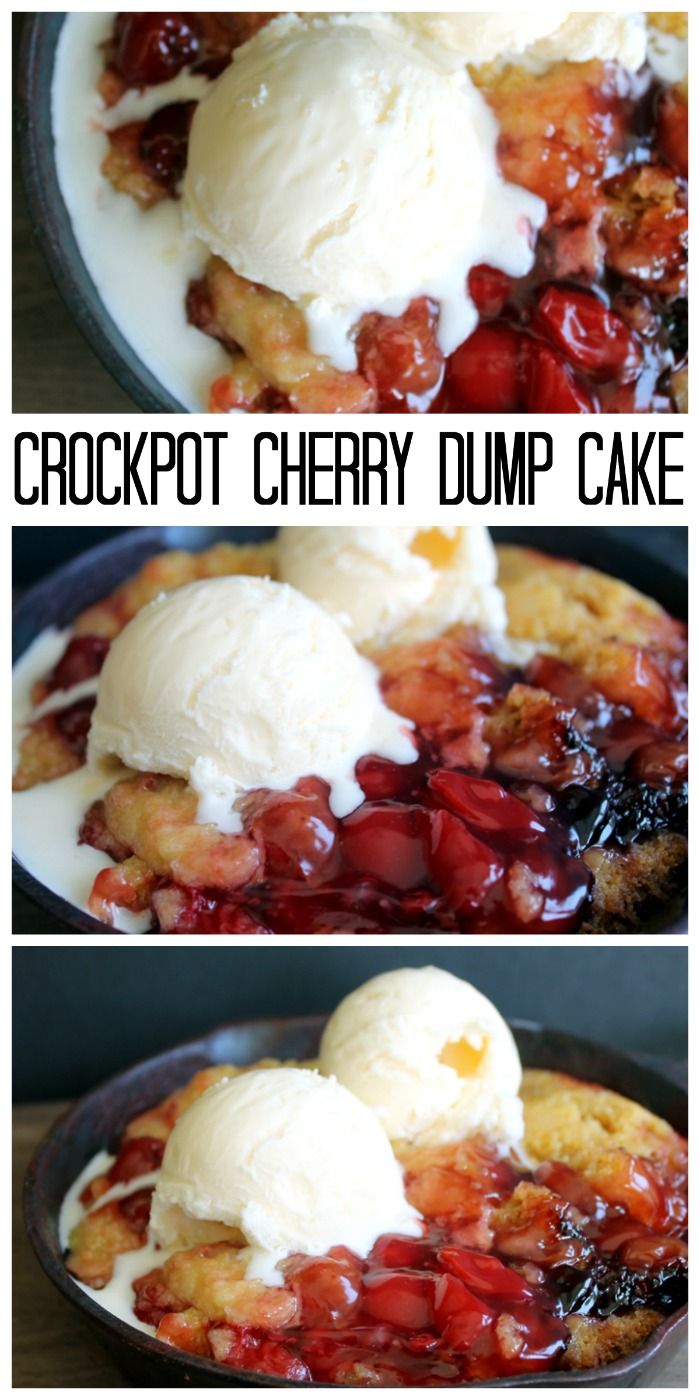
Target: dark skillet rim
52,225
155,537
127,1336
60,908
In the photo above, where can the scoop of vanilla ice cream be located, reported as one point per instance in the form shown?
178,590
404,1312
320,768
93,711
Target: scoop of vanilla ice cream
387,584
540,38
343,164
430,1055
238,683
290,1161
480,36
613,37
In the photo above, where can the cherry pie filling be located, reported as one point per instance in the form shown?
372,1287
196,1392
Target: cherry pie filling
599,325
520,775
510,1263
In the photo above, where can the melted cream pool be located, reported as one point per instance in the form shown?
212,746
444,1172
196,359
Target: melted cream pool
140,261
117,1297
46,819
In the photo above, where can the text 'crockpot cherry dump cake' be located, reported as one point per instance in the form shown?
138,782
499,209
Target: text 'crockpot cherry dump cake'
359,730
419,1212
480,212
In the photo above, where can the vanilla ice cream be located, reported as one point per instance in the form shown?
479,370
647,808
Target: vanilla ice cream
539,38
430,1055
237,683
387,584
287,1160
341,161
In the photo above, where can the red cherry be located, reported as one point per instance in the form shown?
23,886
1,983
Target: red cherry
400,354
136,1208
328,1289
530,1339
639,680
448,1196
464,868
592,338
541,1234
563,884
380,778
388,841
485,806
74,724
571,686
153,1300
275,1359
401,1252
636,1186
660,762
234,1346
401,1297
152,48
483,375
296,829
460,1315
647,1253
550,385
486,1274
572,1188
247,1349
83,658
621,740
185,1330
489,289
136,1157
615,1230
164,141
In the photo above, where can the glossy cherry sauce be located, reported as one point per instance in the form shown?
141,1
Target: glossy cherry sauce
474,836
476,1298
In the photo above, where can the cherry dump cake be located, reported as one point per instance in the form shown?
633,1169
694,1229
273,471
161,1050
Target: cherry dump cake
252,771
427,213
558,1244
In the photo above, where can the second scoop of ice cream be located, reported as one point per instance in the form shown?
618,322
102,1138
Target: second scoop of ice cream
430,1055
396,584
536,38
290,1161
239,683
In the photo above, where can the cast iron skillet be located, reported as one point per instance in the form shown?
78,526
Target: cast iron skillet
57,599
97,1121
52,223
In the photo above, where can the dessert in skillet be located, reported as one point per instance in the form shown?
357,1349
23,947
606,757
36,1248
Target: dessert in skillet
420,1212
252,771
393,730
477,212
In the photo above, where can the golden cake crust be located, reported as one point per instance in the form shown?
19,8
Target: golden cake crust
567,607
581,1124
634,885
598,1341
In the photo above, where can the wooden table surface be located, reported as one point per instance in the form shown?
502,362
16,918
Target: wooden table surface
52,1346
